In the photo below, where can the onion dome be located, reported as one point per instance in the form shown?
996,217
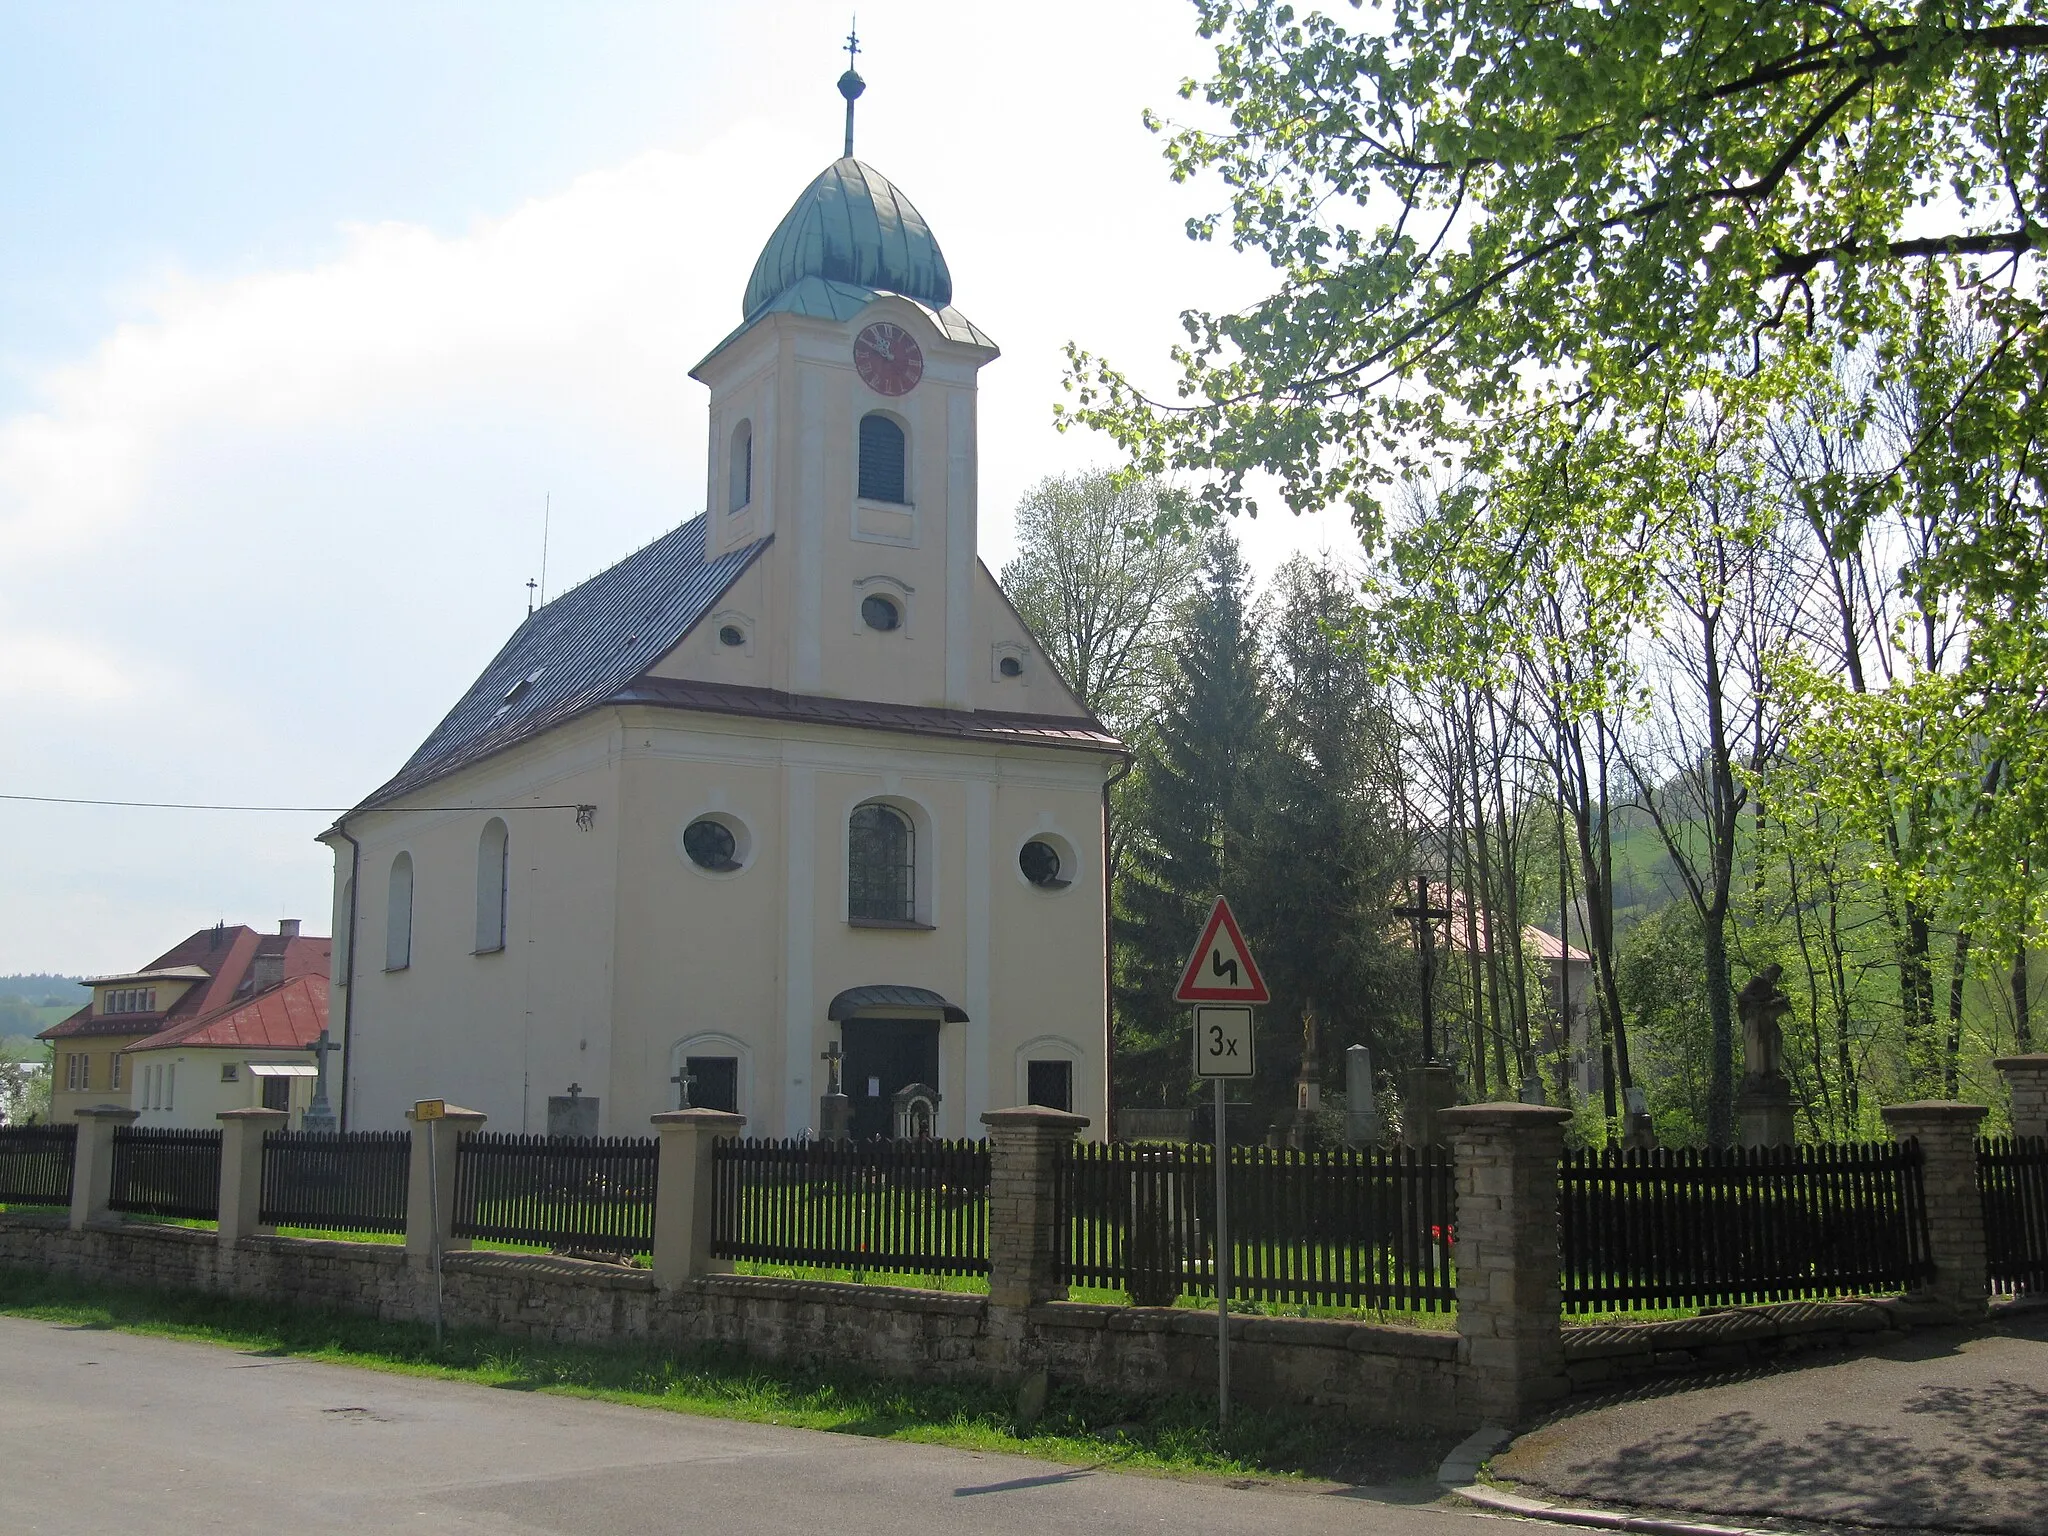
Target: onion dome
851,226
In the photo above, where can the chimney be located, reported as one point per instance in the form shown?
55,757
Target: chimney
266,970
288,927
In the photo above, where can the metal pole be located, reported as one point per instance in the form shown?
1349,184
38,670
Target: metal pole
1222,1260
434,1228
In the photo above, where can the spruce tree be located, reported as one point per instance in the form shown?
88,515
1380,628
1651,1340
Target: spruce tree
1188,814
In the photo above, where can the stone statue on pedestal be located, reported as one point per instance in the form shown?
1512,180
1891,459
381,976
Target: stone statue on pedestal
1764,1103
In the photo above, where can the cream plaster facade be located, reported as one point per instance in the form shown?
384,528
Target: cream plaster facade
621,956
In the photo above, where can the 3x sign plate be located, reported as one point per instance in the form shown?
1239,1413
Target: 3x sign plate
1223,1041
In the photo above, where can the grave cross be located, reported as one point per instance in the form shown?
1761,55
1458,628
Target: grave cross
682,1080
319,1116
1422,917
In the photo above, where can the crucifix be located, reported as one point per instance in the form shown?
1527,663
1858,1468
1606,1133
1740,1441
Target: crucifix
850,86
1422,917
319,1116
831,1060
682,1080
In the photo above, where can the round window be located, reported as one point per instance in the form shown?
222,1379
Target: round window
731,635
1011,666
879,612
1040,862
711,845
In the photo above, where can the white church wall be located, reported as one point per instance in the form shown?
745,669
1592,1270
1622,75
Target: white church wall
501,1031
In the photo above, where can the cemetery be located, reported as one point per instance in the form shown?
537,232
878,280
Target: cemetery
1092,1261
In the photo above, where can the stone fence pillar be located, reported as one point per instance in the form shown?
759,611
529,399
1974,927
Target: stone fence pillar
241,1171
1510,1310
92,1166
682,1193
430,1182
1947,1133
2027,1077
1024,1147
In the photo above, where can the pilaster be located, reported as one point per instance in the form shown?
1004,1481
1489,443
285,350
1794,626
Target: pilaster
241,1171
1947,1134
1024,1147
430,1183
92,1168
2027,1078
683,1193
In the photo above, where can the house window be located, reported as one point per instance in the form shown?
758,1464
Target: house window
881,865
398,916
170,1084
493,876
1050,1084
114,1070
75,1071
741,469
881,460
277,1093
229,1073
130,1000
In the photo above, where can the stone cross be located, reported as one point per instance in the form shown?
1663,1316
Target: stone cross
682,1080
319,1116
831,1060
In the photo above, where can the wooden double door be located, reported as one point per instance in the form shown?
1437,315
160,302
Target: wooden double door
882,1056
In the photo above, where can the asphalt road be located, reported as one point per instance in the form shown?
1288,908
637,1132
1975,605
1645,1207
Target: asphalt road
1944,1431
102,1431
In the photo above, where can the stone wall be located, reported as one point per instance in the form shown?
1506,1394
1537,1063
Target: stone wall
1613,1355
1365,1373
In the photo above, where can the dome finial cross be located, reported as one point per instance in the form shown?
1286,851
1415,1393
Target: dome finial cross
850,83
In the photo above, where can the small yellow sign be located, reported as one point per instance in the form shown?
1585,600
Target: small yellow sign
430,1109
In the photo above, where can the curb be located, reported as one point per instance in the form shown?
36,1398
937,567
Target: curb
1459,1475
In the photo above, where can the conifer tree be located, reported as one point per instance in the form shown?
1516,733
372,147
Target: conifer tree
1188,817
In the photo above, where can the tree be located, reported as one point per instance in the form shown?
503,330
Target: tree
1097,592
1188,817
1321,855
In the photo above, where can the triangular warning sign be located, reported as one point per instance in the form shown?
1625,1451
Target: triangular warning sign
1221,970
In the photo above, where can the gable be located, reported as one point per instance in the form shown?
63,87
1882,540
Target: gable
1000,631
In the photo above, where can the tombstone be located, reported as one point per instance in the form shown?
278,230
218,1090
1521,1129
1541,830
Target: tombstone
1426,1093
1638,1131
1308,1088
1764,1102
571,1114
835,1109
1532,1089
1361,1104
916,1111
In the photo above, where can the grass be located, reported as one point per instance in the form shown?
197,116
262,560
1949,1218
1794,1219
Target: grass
1173,1435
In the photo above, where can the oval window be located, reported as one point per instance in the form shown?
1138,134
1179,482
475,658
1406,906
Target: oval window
711,845
1040,862
731,635
878,612
1010,666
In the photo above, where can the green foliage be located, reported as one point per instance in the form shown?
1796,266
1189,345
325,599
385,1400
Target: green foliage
1663,986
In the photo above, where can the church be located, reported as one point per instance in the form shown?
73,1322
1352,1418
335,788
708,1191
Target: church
792,792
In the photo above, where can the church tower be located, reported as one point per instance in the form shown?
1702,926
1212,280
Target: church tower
842,427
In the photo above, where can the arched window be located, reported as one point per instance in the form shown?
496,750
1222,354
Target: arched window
881,460
493,871
398,916
881,865
344,931
741,467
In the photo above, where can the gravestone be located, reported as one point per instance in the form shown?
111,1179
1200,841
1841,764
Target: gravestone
916,1108
835,1109
571,1114
1361,1104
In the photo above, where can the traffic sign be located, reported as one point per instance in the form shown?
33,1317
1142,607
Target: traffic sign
1221,970
1223,1040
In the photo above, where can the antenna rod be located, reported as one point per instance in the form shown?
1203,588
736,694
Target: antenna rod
546,517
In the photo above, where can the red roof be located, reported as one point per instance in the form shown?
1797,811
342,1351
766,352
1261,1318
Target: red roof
228,956
1544,946
285,1018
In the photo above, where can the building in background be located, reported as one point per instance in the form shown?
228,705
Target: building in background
794,779
215,972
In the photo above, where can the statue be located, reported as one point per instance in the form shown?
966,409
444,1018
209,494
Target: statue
1762,1003
1764,1106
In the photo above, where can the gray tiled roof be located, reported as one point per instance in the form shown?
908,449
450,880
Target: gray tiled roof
578,650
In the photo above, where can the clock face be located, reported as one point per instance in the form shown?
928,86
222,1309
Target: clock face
888,359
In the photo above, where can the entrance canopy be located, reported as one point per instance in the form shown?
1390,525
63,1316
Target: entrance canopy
857,1000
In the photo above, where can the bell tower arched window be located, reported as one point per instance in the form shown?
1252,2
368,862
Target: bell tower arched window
882,460
881,865
741,468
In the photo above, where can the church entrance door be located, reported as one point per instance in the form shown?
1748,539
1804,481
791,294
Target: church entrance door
883,1055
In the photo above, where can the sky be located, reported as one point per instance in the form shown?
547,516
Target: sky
310,313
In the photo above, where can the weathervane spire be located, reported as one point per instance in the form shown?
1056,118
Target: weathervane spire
850,83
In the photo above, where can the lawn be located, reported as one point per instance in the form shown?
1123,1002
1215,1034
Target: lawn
1173,1435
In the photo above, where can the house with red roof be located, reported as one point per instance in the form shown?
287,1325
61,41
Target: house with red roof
222,1020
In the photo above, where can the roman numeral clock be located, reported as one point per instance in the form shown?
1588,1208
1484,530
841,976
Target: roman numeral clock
888,359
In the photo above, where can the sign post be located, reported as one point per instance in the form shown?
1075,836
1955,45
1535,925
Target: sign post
424,1110
1223,984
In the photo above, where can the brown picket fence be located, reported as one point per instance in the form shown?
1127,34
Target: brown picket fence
2012,1176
